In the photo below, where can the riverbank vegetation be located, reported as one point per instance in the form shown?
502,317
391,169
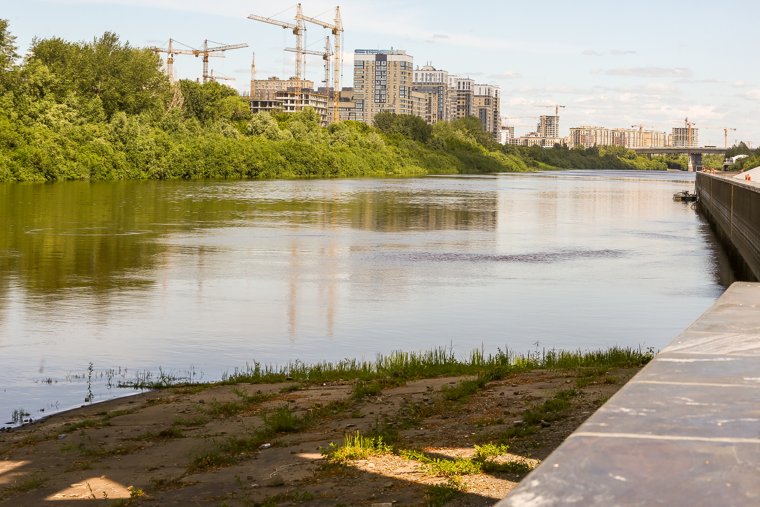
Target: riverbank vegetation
103,110
417,428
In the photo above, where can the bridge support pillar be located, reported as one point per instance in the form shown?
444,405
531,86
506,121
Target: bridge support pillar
695,162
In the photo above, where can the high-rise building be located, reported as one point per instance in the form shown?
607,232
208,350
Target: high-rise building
588,137
684,137
430,80
548,126
382,83
462,91
506,134
486,107
287,96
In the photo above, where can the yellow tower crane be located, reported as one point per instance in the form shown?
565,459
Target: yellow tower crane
206,52
326,54
214,51
336,27
556,108
689,126
298,30
171,51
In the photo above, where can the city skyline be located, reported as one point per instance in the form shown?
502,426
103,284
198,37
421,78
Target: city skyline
612,69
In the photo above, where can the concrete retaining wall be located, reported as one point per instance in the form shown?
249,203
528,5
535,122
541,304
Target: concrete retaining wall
684,431
733,209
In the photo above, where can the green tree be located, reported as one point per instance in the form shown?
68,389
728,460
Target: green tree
123,78
406,125
8,53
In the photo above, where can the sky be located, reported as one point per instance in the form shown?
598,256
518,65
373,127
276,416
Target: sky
612,64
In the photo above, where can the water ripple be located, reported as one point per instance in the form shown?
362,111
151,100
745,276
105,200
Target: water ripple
548,257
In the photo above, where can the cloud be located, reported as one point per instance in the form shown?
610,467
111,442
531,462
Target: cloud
752,94
508,74
622,52
440,36
591,52
647,72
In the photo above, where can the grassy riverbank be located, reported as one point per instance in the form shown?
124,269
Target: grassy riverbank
418,429
103,110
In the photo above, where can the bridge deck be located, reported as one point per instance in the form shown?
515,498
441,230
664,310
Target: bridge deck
681,151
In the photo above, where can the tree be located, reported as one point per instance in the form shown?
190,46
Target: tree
123,78
406,125
8,53
212,102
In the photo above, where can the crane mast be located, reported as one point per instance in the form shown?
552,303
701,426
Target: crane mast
336,27
207,51
298,30
326,54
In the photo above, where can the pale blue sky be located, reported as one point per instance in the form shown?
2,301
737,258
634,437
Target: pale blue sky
612,63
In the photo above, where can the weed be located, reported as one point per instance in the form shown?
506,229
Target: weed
463,389
197,421
364,389
227,452
22,485
440,494
356,446
282,420
520,468
20,416
291,497
165,434
548,411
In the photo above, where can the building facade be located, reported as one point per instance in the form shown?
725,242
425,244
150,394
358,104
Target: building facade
486,107
462,92
548,126
382,83
506,134
433,81
588,136
683,137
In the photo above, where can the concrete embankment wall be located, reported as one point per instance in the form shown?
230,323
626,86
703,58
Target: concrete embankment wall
733,209
684,431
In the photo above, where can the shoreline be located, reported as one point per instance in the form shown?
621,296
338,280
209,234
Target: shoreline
270,441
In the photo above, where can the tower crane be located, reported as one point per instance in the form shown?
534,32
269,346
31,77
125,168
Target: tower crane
171,51
725,135
213,79
206,52
326,54
556,108
689,126
214,51
725,132
336,27
298,30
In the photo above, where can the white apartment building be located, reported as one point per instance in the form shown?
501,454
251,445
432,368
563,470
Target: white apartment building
430,80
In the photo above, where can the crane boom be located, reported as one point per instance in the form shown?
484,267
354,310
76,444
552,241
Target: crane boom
207,51
298,30
326,54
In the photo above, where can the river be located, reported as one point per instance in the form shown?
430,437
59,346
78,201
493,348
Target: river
107,281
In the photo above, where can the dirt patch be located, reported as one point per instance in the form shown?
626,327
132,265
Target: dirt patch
250,445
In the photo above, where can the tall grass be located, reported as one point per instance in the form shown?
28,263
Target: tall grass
438,362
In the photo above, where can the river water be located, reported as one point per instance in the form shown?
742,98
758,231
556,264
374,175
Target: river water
100,282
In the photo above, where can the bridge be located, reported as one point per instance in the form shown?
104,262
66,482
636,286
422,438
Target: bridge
694,153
